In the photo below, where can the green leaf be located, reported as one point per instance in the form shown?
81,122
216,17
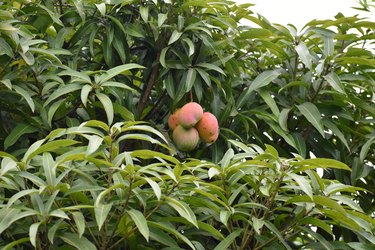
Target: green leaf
75,75
336,131
12,245
118,70
33,231
283,119
144,13
365,148
251,33
5,48
46,53
183,210
101,213
66,89
304,54
162,17
190,79
81,243
48,147
52,110
263,79
322,163
174,37
80,222
335,82
49,168
272,227
117,85
85,93
25,94
312,114
20,194
17,132
266,96
10,215
303,184
94,143
107,105
319,237
162,57
141,222
171,230
224,244
155,186
190,45
210,67
162,237
316,222
101,8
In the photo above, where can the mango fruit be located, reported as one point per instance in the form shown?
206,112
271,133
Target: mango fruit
208,128
186,139
189,115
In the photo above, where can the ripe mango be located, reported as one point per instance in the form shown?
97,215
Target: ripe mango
189,114
172,120
208,128
185,139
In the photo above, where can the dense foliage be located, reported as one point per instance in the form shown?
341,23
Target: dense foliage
86,88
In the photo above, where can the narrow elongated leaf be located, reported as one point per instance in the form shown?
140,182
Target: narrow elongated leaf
161,18
155,187
224,244
303,184
365,148
62,91
319,237
174,37
75,75
49,168
210,66
21,194
94,143
117,85
336,131
190,79
10,215
5,48
12,245
141,222
304,54
85,93
183,209
50,146
283,119
322,163
33,231
162,57
312,114
171,230
26,96
316,222
263,79
335,82
101,213
273,228
266,96
17,132
81,243
118,70
52,110
80,222
107,105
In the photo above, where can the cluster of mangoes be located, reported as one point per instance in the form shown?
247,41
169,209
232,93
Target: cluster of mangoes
190,123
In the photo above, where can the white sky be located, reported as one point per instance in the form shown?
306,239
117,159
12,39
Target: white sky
300,12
